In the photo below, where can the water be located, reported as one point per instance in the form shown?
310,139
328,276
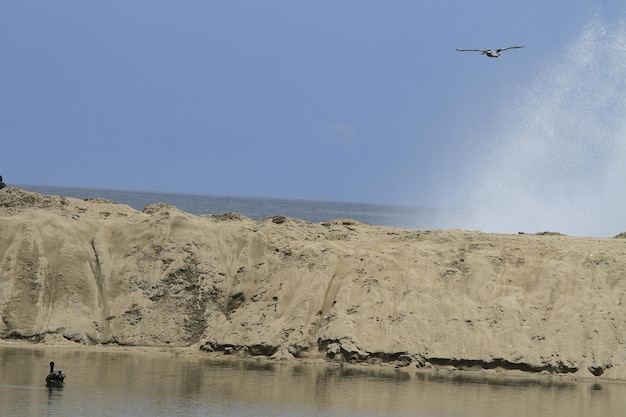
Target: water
257,208
555,160
119,383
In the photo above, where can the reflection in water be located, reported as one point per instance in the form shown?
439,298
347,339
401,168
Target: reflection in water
54,397
118,383
501,381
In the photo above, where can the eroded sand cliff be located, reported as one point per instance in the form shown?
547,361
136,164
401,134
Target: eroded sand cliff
96,272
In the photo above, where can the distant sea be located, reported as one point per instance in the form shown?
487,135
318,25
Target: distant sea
404,217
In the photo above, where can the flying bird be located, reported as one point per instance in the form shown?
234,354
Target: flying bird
490,53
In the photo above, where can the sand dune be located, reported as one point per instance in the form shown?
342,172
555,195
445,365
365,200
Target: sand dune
95,272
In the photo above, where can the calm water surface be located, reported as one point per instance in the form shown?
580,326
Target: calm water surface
150,384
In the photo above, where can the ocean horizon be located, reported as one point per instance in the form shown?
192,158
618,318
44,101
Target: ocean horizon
405,217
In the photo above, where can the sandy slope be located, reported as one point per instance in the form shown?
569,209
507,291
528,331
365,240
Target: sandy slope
98,272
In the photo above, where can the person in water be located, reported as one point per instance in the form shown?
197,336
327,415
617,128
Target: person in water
55,379
2,185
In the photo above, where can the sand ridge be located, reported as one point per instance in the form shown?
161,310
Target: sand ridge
95,272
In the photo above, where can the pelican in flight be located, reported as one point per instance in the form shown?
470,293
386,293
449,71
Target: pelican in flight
490,53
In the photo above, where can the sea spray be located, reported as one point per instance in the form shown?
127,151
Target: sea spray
559,161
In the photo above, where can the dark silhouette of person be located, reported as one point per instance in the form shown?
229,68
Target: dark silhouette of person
2,185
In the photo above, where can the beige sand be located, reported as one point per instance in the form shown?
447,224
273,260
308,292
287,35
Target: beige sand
95,272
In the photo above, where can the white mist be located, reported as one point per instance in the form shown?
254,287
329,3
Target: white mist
559,163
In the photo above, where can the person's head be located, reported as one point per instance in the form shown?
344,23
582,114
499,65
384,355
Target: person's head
0,178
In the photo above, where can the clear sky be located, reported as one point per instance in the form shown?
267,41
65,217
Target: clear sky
343,100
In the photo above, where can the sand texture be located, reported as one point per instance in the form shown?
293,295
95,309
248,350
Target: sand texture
95,272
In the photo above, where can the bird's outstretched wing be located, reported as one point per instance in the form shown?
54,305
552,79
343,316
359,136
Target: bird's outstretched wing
508,47
471,50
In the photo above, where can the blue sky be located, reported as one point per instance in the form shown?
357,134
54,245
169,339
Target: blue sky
343,100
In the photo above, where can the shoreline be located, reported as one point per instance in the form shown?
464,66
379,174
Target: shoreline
383,367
